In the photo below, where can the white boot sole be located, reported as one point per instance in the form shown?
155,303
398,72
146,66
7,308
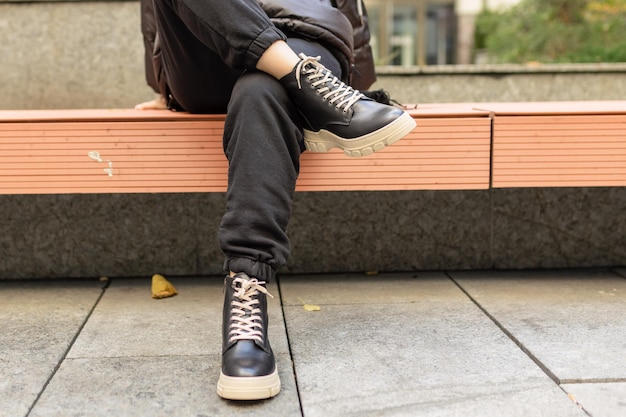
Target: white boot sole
323,141
248,388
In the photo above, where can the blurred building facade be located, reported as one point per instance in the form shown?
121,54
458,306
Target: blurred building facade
425,32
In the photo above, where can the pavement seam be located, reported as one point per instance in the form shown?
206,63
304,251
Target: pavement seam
69,347
594,381
510,335
518,343
293,362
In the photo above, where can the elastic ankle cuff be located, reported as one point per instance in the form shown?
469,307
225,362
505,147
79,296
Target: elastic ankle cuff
253,268
259,45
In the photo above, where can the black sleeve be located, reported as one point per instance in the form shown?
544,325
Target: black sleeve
148,30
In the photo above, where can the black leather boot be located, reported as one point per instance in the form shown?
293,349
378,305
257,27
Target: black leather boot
338,116
248,365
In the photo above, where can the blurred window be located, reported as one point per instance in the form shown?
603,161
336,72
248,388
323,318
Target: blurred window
412,32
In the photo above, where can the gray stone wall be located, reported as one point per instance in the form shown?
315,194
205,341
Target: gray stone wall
90,55
53,236
586,82
71,55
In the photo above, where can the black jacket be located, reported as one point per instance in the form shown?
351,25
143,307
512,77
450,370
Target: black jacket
340,25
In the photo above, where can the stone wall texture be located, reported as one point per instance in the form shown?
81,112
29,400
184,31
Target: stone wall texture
71,55
53,236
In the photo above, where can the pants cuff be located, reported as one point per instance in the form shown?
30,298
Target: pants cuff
251,267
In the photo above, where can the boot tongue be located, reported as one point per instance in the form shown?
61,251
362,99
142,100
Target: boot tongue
246,315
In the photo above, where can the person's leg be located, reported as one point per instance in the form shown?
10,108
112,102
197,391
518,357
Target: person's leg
263,143
354,123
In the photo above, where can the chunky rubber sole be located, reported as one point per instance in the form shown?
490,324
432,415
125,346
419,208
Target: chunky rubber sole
248,388
323,141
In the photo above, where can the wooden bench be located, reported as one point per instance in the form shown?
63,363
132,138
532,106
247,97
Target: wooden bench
455,146
158,151
475,186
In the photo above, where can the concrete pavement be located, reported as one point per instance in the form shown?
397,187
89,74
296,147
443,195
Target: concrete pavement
473,343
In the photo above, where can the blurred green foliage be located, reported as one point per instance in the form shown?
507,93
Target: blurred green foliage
554,31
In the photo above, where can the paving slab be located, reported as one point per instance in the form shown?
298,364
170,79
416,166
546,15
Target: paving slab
138,356
407,345
600,399
572,321
154,386
39,321
129,322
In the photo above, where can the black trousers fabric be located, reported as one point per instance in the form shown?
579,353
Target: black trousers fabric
209,52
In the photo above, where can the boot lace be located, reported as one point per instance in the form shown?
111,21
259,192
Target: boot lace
246,320
326,84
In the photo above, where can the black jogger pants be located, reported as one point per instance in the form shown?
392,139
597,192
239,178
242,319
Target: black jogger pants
209,52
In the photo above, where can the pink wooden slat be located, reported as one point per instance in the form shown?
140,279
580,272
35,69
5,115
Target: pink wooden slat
49,148
565,151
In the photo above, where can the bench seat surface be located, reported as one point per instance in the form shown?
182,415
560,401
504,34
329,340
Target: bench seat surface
454,146
158,151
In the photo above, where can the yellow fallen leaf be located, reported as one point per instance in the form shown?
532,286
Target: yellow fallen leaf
309,307
162,288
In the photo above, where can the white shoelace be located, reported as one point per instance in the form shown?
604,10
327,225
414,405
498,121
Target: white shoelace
246,322
330,87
